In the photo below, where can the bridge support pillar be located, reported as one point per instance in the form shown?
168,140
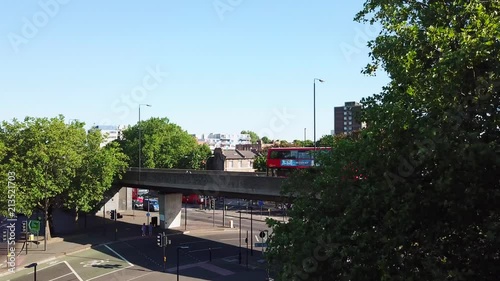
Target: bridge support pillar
170,210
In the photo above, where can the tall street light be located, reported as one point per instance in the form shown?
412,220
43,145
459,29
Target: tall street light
34,269
314,104
140,151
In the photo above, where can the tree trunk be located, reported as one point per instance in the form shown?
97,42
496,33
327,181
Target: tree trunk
77,227
47,220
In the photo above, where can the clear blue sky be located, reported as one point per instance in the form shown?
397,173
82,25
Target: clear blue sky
221,65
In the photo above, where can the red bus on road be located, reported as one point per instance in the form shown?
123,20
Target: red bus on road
283,160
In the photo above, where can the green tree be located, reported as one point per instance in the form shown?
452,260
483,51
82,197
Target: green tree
426,206
325,141
253,136
260,162
266,140
99,168
46,156
196,159
163,145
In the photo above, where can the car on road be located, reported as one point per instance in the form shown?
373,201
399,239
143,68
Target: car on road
136,204
154,206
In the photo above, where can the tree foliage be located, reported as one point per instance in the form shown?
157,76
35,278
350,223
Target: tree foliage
266,140
260,162
55,165
253,136
163,145
426,207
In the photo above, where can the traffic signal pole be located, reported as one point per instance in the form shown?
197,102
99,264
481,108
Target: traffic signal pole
164,256
162,241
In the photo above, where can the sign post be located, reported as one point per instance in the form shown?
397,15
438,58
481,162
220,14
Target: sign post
261,204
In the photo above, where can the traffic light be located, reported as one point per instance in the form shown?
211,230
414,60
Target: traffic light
112,214
160,240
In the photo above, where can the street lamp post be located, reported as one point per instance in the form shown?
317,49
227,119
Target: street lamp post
34,269
140,150
178,248
314,105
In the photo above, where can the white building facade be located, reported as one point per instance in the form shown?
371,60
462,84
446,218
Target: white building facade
110,132
225,141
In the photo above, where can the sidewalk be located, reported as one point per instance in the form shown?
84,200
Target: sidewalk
124,229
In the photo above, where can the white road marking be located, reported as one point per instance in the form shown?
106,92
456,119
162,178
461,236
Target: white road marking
72,270
109,272
120,256
140,276
71,273
257,238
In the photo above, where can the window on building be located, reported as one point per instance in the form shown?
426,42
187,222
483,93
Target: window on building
350,122
345,113
345,118
350,128
345,128
345,123
350,117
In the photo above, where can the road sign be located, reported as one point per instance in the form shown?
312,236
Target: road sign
34,226
260,245
148,214
261,203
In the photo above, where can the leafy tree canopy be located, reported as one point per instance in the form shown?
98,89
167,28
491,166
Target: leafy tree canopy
163,145
266,140
253,136
55,165
414,196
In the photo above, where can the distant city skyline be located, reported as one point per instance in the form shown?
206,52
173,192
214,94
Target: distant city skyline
248,65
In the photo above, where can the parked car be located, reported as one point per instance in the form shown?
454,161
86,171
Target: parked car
136,204
153,205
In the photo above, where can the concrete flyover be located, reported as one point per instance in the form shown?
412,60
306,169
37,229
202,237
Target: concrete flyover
210,183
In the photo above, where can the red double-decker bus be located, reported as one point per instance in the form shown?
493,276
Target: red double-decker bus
283,160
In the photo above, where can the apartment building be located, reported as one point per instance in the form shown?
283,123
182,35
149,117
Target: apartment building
344,118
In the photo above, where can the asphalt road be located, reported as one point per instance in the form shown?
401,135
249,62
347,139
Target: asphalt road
209,255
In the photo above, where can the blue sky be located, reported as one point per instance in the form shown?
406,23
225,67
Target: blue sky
209,66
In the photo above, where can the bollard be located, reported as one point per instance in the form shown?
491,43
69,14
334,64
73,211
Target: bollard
231,224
